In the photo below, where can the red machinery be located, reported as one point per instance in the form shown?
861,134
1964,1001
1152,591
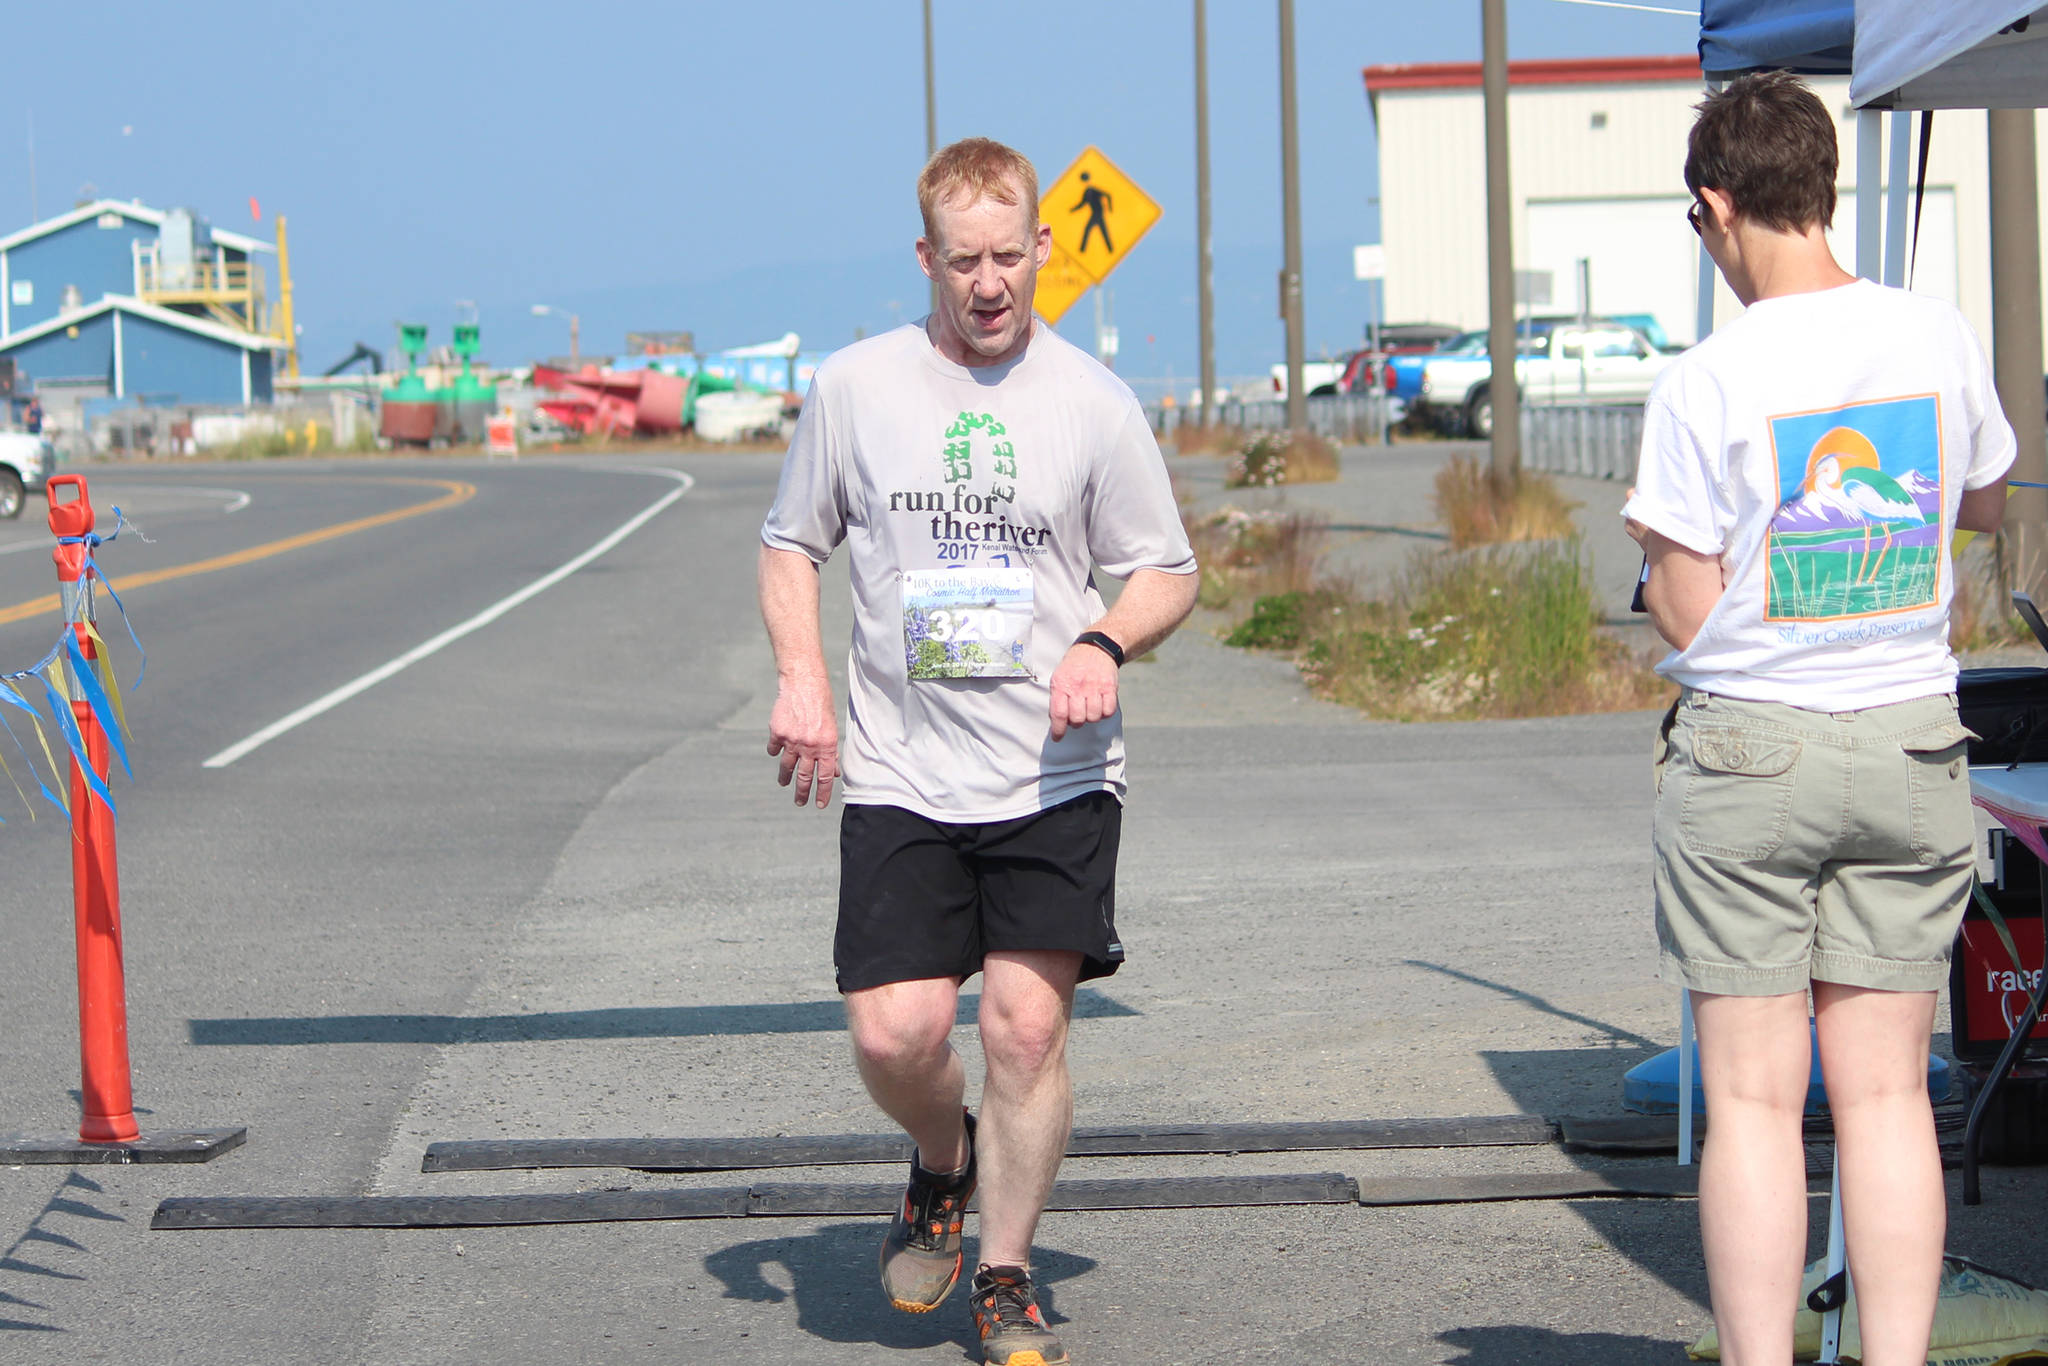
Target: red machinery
614,402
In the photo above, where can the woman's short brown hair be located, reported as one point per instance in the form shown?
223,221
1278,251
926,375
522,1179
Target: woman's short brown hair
972,169
1768,143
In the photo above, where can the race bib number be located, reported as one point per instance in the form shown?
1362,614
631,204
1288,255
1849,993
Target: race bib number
966,623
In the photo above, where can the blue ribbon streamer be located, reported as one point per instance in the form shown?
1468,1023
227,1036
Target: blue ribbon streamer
15,699
61,709
96,698
122,608
94,695
45,662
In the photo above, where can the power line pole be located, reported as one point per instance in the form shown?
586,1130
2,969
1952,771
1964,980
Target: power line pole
1290,202
1205,255
1500,262
931,114
2016,341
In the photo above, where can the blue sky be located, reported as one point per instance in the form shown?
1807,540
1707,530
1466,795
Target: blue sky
736,170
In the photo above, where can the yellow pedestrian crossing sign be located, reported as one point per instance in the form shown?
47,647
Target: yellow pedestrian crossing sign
1097,213
1060,282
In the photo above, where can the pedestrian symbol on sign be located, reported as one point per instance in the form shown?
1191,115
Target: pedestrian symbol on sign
1096,201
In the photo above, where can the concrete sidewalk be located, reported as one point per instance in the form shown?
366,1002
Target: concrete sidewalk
1328,918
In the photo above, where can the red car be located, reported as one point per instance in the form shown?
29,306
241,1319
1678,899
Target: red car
1396,339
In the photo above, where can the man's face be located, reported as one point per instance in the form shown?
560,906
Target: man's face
985,257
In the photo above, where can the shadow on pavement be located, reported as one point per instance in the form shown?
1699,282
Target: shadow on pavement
1520,1345
625,1022
1535,1002
42,1242
839,1299
1388,529
1660,1236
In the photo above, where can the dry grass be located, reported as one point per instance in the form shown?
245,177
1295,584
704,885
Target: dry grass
1477,509
1214,439
1278,458
1981,616
1247,555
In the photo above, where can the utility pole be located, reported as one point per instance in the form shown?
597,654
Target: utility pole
1290,202
1205,256
2016,341
1500,263
931,114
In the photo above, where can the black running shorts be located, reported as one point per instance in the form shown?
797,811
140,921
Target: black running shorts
922,898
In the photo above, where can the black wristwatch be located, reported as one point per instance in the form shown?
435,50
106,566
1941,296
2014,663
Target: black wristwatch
1103,643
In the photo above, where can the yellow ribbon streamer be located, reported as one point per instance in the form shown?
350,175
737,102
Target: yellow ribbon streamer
63,783
108,681
17,787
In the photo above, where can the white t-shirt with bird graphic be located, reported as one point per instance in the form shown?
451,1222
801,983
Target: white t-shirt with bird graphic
1820,444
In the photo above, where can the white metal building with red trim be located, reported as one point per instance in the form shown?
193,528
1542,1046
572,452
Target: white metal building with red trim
1597,154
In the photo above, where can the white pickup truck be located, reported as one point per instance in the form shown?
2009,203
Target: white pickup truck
1314,375
1596,362
26,462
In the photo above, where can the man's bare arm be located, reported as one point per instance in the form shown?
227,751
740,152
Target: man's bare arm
1152,604
803,728
1983,509
1682,588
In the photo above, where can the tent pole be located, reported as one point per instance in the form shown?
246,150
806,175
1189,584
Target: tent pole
1705,273
1898,188
1869,192
2016,340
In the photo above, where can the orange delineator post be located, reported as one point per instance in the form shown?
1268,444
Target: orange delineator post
109,1108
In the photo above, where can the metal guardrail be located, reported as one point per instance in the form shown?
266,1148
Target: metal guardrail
1597,441
1340,417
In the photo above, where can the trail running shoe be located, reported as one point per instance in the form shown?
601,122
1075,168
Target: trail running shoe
921,1255
1013,1331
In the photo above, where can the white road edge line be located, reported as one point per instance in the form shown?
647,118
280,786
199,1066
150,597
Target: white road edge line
454,633
237,501
238,498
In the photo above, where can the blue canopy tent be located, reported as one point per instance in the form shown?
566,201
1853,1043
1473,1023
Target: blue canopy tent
1811,36
1899,55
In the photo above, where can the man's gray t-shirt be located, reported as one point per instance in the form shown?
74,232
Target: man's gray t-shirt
1046,464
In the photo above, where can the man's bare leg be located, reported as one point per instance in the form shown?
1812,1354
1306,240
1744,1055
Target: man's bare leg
1873,1045
1027,1102
1754,1059
902,1046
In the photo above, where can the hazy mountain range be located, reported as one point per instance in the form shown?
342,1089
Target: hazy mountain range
1809,513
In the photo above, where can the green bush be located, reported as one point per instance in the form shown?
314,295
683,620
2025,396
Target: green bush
1275,623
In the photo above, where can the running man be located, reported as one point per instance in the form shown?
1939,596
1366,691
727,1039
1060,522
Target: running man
977,465
1804,470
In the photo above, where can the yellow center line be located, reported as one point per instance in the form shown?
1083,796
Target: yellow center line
458,492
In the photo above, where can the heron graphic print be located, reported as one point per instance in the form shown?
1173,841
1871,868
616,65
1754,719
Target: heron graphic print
1858,527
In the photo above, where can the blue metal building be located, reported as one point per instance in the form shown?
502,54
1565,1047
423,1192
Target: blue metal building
124,348
127,302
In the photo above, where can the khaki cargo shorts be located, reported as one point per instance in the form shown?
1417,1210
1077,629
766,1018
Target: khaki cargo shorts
1795,845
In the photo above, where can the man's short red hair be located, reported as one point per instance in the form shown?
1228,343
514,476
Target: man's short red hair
973,169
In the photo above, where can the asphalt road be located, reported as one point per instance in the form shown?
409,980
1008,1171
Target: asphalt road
541,884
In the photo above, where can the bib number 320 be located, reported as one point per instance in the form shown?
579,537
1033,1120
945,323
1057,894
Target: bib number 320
966,623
